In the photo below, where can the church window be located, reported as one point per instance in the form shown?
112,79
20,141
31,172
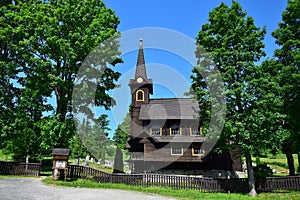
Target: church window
140,95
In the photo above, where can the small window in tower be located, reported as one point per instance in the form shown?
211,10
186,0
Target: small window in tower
140,95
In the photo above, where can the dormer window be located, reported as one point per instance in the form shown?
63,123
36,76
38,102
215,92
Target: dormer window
140,95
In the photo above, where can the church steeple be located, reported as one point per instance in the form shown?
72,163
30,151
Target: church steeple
141,80
140,70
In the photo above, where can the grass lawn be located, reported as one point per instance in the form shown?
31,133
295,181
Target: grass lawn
94,165
279,160
179,194
279,163
101,167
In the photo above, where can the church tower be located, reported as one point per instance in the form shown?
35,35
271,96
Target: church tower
141,87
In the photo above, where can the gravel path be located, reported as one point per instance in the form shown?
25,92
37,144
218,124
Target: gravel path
34,189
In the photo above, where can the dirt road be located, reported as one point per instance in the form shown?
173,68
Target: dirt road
34,189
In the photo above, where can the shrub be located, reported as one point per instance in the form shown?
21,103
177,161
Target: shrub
262,170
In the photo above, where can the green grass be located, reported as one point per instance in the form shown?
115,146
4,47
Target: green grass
46,173
179,194
278,162
101,167
94,165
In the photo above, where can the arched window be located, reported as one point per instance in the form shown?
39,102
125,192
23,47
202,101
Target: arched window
140,95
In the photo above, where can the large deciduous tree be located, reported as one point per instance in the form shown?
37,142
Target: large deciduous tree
287,36
234,43
43,44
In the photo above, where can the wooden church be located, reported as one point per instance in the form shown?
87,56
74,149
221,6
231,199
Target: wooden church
165,135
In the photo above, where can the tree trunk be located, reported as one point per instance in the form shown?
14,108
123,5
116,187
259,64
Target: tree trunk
250,175
290,161
27,161
289,158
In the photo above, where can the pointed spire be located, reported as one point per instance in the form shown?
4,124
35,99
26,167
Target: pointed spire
140,65
140,79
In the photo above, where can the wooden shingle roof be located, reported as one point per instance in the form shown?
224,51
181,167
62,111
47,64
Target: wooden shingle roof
170,108
140,70
61,151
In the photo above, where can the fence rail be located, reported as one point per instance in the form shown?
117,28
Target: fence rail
271,184
185,182
25,169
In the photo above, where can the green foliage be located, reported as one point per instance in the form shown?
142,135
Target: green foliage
287,56
43,45
103,155
77,148
118,163
231,43
262,170
55,133
122,133
47,164
234,44
95,137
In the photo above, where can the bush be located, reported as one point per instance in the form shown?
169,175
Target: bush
262,170
47,164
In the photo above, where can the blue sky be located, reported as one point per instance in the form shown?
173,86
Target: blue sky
185,17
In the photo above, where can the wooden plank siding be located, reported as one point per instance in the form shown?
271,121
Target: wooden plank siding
163,153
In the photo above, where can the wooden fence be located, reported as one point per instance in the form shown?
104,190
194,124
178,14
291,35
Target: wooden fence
25,169
185,182
271,184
